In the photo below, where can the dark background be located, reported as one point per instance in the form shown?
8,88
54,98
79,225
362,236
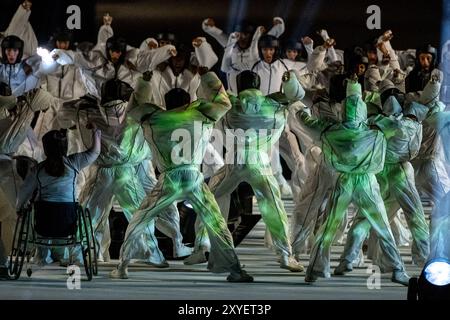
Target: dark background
413,22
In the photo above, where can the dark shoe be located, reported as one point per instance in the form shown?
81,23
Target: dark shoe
310,278
243,276
343,268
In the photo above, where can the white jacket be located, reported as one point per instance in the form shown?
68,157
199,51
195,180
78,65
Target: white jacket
271,75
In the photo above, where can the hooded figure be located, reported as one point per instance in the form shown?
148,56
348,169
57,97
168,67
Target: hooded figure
357,154
426,61
431,175
440,217
397,185
180,179
310,203
261,120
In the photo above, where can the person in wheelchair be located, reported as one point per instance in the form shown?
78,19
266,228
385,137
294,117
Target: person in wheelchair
51,186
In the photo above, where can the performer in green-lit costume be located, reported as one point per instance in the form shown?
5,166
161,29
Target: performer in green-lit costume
178,162
357,154
403,132
255,124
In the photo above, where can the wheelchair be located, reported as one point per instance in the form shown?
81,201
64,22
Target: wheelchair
26,240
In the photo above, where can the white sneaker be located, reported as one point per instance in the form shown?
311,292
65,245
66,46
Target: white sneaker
400,277
182,251
197,257
286,191
159,264
119,274
289,263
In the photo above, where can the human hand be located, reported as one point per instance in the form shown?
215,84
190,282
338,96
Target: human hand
107,19
197,42
27,5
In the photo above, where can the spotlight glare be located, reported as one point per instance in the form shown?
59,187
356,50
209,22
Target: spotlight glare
438,273
45,55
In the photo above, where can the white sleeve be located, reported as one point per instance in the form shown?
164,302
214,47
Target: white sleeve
42,100
216,33
371,78
21,27
226,59
309,48
254,45
278,29
316,59
205,55
84,159
292,88
148,60
104,33
332,56
393,62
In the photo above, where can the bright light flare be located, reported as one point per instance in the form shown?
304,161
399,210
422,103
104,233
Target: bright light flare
438,273
45,55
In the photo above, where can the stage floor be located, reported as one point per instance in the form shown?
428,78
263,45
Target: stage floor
181,282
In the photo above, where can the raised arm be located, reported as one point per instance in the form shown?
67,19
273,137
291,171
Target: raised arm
205,54
209,26
148,60
227,55
84,159
21,27
312,123
278,27
139,105
291,87
214,101
385,49
106,31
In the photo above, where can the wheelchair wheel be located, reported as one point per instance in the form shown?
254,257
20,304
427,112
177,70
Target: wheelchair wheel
85,242
87,214
19,249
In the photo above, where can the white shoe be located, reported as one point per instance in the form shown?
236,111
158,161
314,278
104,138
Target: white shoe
289,263
286,191
182,251
400,277
197,257
119,274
